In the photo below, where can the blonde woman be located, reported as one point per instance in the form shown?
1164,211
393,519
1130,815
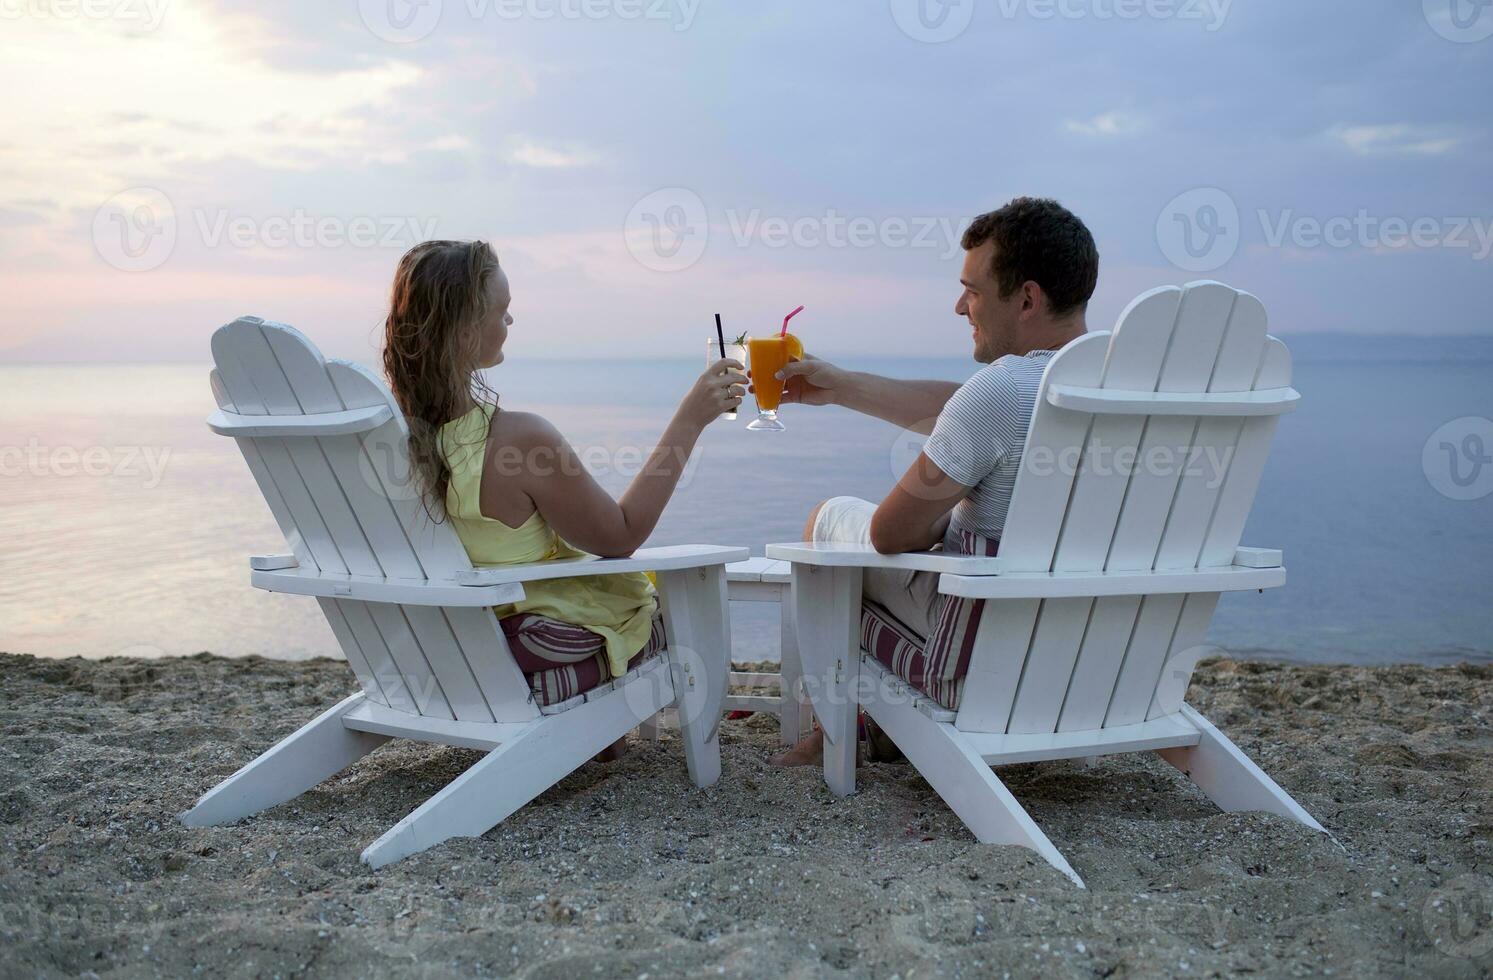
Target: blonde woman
512,487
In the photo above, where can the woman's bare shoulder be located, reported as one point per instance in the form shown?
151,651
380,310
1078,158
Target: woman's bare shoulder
522,429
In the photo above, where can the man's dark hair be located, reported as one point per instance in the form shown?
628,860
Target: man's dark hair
1038,239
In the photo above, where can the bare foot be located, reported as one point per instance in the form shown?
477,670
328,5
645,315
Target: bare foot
808,752
612,752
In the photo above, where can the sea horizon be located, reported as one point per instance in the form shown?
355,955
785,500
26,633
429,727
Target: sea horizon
1381,567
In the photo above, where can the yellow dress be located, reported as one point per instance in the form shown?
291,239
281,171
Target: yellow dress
619,608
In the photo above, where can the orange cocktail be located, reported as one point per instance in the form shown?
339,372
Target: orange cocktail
768,356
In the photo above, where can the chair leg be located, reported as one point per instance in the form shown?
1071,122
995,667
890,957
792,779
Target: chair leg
826,609
965,782
698,621
648,730
317,750
1229,777
793,714
843,721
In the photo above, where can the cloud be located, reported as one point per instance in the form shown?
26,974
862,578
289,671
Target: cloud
1398,138
1113,124
179,94
529,153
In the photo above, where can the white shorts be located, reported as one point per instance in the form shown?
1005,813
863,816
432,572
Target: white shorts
912,597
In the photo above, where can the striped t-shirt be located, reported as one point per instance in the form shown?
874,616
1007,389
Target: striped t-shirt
979,437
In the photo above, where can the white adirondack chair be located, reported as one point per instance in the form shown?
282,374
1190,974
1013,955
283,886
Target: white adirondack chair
326,443
1106,578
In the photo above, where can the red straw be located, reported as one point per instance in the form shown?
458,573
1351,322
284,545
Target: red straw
790,316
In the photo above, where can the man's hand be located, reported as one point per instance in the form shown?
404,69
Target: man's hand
811,381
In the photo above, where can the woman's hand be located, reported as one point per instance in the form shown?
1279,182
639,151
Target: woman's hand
718,390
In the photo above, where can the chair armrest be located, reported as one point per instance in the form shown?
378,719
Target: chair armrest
270,563
314,424
1257,557
1082,585
838,554
371,588
666,559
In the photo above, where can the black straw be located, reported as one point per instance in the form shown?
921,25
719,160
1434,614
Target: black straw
720,336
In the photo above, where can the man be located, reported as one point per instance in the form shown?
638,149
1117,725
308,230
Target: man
1029,270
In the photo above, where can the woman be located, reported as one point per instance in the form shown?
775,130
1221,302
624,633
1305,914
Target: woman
510,484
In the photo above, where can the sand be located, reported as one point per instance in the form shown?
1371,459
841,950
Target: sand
625,869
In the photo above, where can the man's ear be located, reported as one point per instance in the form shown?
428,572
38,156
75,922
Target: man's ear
1031,298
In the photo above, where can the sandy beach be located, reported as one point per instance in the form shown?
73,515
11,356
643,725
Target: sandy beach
625,869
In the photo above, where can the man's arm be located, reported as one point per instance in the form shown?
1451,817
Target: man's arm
911,404
915,515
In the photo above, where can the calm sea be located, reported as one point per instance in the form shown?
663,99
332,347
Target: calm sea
126,524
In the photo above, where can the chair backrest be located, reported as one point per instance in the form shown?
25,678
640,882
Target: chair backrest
1135,483
347,505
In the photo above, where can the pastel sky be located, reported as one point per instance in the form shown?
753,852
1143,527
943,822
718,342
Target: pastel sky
166,165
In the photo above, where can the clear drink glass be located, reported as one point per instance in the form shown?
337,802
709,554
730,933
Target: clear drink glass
736,352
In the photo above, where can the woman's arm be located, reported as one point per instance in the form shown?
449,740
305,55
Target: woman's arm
549,471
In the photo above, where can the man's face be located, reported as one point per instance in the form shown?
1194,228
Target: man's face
993,321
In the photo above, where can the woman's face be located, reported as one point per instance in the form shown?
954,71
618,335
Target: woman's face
493,330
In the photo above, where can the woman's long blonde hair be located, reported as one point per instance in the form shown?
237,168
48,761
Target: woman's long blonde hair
431,349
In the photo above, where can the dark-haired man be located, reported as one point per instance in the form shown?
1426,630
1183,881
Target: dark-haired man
1029,270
